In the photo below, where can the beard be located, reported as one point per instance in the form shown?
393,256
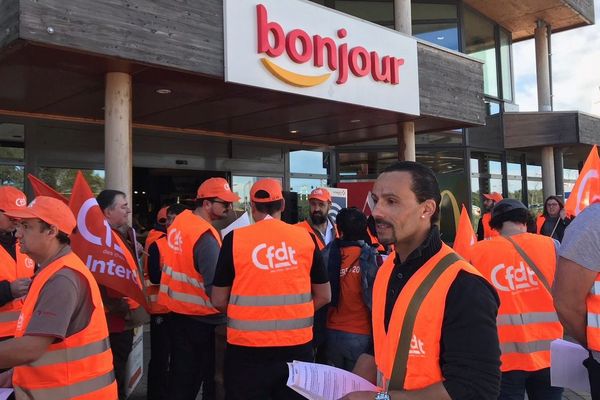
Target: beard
388,236
317,218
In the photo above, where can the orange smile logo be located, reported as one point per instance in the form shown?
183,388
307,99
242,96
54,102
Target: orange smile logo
293,78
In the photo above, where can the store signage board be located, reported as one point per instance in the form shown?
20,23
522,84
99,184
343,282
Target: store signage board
296,46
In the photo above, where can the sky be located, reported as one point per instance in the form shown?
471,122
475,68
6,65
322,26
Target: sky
575,69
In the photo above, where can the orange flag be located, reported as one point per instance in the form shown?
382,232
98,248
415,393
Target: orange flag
465,235
587,187
41,188
101,249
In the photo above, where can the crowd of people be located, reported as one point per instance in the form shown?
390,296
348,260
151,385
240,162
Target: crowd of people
382,296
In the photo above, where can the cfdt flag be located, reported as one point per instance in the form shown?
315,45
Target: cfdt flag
465,235
41,188
102,250
587,187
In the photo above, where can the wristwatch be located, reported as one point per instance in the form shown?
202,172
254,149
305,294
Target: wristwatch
382,396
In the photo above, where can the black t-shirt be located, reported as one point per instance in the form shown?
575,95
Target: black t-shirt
224,277
469,348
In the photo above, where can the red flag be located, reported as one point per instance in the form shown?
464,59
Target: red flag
41,188
587,187
102,250
465,235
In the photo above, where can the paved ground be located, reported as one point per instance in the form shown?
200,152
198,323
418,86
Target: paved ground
140,391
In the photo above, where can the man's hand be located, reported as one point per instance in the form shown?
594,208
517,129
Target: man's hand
20,287
360,396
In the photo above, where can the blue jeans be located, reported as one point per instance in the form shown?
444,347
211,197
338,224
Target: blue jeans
536,383
344,348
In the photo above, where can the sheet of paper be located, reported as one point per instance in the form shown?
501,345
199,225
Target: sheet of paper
324,382
566,368
4,393
243,220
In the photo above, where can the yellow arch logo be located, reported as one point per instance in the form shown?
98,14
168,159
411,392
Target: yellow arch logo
454,203
293,78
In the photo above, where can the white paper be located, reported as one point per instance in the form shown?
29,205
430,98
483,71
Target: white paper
242,221
566,368
324,382
4,393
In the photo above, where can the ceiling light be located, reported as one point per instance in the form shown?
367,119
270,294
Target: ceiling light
163,91
353,121
294,131
441,38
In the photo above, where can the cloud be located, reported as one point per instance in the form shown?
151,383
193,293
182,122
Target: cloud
576,77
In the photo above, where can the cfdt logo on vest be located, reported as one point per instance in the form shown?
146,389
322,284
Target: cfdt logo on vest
509,278
274,257
303,48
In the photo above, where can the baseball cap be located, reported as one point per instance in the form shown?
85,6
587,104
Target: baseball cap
161,216
50,210
271,186
11,198
320,194
494,196
216,187
507,205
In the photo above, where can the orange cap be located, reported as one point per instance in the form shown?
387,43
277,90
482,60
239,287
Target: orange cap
320,194
11,198
50,210
216,187
494,196
161,217
269,185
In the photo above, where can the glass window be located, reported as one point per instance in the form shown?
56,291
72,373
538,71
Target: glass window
505,65
442,162
480,42
515,189
241,186
307,162
443,34
428,11
62,179
379,11
535,196
364,164
569,178
454,136
534,171
12,175
492,107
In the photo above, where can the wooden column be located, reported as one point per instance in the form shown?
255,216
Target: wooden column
542,61
406,130
118,159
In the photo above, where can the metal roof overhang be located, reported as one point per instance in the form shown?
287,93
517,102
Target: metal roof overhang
54,56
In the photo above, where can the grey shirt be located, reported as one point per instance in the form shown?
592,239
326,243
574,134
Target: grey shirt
64,306
206,254
581,243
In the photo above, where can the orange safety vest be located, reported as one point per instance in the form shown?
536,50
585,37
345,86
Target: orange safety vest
488,232
593,314
540,223
320,241
271,298
152,289
181,286
423,359
78,367
527,321
11,270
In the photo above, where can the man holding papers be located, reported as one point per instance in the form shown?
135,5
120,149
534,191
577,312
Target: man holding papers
434,315
270,279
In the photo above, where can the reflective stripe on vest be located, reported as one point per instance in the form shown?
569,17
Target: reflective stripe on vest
527,321
81,365
525,347
68,392
184,297
593,316
527,318
181,277
271,305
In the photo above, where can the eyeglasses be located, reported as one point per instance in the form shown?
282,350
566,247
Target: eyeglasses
225,204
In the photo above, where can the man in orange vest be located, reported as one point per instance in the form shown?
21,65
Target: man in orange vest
434,315
185,287
521,267
484,230
319,222
160,342
16,269
577,287
270,279
61,348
